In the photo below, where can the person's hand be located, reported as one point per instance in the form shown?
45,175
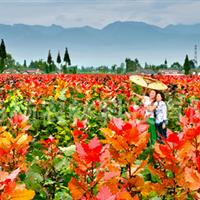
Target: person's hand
163,126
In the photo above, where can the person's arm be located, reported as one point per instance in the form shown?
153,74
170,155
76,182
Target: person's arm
137,95
151,108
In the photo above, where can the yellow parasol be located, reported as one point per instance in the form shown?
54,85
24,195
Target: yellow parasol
148,82
139,80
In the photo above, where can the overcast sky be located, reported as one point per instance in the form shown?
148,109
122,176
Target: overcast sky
99,13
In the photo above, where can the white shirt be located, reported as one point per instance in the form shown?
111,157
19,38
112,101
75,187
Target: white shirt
161,112
147,102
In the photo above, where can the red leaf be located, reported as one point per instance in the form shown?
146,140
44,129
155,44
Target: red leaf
190,112
13,175
116,125
80,150
198,163
90,152
127,126
105,194
173,138
81,124
94,143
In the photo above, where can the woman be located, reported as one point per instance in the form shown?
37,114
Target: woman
161,116
150,105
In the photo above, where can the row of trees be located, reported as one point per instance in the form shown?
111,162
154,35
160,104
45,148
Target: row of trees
186,67
64,64
51,67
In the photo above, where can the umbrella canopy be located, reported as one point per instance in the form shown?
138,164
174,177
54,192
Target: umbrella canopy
157,86
138,80
148,82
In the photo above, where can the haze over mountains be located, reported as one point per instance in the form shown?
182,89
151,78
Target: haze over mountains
111,45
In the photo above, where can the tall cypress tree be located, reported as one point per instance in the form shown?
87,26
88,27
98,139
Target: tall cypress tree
3,55
186,65
25,65
66,57
58,58
49,61
49,58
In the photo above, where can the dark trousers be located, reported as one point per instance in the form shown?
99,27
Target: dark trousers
162,133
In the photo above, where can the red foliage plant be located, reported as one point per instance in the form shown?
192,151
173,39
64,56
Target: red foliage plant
180,155
98,166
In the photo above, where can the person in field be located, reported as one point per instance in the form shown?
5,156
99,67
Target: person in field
161,116
150,104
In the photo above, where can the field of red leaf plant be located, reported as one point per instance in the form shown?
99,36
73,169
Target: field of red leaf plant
86,137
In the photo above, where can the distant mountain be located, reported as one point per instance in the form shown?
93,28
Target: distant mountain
107,46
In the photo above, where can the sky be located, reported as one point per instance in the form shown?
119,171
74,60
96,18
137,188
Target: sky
99,13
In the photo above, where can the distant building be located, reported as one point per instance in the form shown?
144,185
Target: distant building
195,71
170,72
144,71
10,71
32,71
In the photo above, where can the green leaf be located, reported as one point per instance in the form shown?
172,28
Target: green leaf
62,95
155,179
169,174
62,195
68,151
80,95
49,182
60,163
33,180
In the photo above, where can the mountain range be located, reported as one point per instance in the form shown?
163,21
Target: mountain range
110,45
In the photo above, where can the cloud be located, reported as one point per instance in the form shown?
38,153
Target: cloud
98,13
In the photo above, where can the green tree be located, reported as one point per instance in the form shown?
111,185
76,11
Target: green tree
131,65
66,57
9,61
3,55
32,65
186,65
58,58
49,58
114,68
103,69
137,63
192,64
64,69
165,63
49,61
25,65
176,65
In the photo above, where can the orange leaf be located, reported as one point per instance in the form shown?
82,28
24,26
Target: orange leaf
76,189
124,195
136,197
193,178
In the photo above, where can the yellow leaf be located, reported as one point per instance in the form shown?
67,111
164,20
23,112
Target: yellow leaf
5,140
23,194
2,128
108,132
21,139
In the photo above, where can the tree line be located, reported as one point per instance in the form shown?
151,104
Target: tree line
64,64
